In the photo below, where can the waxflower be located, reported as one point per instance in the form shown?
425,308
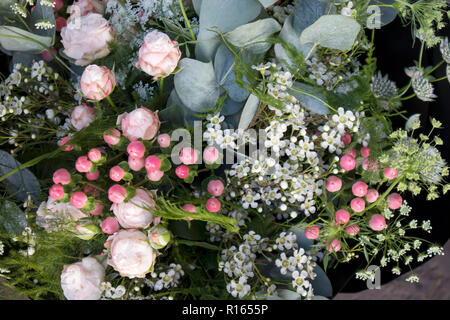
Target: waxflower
97,82
182,171
91,176
155,175
95,155
372,195
390,173
334,246
352,230
63,142
83,164
211,155
111,137
79,199
56,192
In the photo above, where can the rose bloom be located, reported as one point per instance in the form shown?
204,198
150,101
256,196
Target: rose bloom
83,7
51,214
130,253
97,82
88,42
139,124
82,280
159,55
131,214
82,116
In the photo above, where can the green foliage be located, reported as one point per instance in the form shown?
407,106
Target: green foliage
12,220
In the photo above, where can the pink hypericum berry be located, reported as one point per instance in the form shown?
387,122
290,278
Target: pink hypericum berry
98,210
215,188
56,192
346,139
63,142
370,165
61,176
188,156
359,189
352,230
60,23
365,152
210,154
312,232
152,163
347,162
189,207
334,246
117,193
377,222
46,55
112,137
164,140
58,5
372,195
79,199
136,149
110,225
394,201
95,154
358,204
342,216
116,173
213,205
155,175
83,164
182,171
135,164
91,176
390,173
333,184
351,152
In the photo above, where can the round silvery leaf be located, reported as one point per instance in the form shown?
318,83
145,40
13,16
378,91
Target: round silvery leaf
17,39
248,112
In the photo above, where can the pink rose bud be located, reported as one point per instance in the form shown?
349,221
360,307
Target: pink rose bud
83,165
164,140
110,225
351,152
358,204
370,165
333,184
117,193
342,216
346,139
159,55
98,210
79,199
111,137
97,82
213,205
139,124
215,188
377,222
312,232
394,201
63,142
95,155
359,189
152,163
56,192
155,175
372,195
182,171
136,149
352,230
91,176
61,176
136,164
210,155
82,116
390,173
60,23
47,56
347,162
188,156
189,207
334,246
116,173
365,152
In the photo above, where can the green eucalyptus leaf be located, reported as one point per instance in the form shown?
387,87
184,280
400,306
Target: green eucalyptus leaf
24,58
41,12
231,107
12,220
197,5
17,39
306,12
388,14
309,98
285,294
248,112
321,284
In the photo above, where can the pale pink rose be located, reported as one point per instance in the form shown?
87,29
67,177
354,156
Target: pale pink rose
88,42
82,116
83,7
139,124
82,280
130,253
159,55
97,82
137,212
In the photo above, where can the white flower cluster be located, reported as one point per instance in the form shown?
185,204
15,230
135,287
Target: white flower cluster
2,248
170,278
29,238
217,233
111,293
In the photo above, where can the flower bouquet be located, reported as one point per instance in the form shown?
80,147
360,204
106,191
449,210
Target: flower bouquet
211,149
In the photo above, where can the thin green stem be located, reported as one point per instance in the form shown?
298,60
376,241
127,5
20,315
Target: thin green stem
186,20
112,104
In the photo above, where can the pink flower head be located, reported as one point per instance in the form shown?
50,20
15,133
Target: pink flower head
83,7
83,164
370,165
365,152
342,216
352,230
312,232
390,173
60,23
372,195
159,55
358,204
189,207
139,124
164,140
188,156
346,139
95,154
335,246
394,201
215,188
98,209
210,154
97,82
46,55
333,184
116,173
63,142
351,152
61,176
213,205
91,176
110,225
82,116
152,163
377,222
136,149
136,164
347,162
56,192
117,193
182,171
155,175
359,189
111,137
79,199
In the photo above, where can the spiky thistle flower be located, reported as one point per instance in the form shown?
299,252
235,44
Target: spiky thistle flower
382,87
414,72
423,89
